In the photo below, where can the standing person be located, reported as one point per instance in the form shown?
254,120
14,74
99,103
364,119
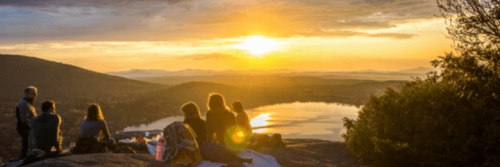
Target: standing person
24,112
94,130
45,129
242,117
219,119
192,117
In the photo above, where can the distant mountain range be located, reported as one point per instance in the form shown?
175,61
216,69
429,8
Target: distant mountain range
148,74
137,73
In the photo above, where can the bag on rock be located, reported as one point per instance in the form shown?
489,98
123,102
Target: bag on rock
180,146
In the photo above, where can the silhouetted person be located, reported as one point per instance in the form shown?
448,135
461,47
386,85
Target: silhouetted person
219,118
242,117
94,126
24,112
192,117
45,129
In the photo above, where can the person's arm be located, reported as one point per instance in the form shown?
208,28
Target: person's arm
105,130
240,121
249,126
26,113
232,119
210,129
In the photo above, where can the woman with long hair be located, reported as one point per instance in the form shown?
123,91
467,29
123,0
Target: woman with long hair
192,117
94,129
219,119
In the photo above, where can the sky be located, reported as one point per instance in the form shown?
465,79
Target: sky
312,35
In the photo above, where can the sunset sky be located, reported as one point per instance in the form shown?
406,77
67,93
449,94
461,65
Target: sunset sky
323,35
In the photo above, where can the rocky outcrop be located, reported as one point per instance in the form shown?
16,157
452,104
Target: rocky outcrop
103,159
297,153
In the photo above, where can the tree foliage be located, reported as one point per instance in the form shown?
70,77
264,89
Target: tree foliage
451,118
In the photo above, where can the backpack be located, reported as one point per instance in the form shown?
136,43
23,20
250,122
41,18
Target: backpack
180,145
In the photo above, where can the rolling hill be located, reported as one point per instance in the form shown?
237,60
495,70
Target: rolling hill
127,102
60,81
72,88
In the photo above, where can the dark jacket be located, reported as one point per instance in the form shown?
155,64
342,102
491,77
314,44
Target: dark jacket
97,129
24,112
45,132
200,128
218,122
243,121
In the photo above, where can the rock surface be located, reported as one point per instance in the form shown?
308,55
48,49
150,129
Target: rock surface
298,153
103,159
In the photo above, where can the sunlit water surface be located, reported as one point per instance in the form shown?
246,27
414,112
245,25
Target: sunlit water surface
314,120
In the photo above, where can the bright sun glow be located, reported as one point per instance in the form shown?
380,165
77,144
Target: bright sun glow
258,45
260,121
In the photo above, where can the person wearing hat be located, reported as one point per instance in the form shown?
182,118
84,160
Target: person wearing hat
24,112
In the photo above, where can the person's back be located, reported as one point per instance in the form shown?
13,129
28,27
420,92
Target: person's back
199,126
242,117
45,129
94,133
97,129
243,121
219,118
192,117
218,122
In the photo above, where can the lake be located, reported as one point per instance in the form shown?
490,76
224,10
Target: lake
316,120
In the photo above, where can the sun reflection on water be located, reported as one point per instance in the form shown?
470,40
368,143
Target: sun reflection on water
260,121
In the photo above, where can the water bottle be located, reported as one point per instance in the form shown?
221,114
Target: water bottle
159,149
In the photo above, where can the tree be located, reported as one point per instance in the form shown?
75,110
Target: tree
475,26
448,119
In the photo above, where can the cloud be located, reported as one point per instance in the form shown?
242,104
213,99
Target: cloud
392,35
177,1
345,33
83,3
163,20
210,56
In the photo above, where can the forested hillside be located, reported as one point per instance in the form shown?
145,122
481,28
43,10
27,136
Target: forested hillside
128,102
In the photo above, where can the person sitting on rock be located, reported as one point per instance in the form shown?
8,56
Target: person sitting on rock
94,136
192,117
45,130
242,117
219,119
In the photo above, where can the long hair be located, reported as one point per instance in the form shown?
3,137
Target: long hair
237,106
94,113
190,110
216,102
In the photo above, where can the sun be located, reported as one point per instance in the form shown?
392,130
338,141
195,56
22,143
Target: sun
257,45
